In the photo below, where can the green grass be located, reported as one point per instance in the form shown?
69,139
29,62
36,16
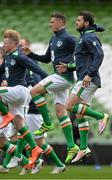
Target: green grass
72,172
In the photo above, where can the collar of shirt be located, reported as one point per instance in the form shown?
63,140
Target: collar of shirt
60,32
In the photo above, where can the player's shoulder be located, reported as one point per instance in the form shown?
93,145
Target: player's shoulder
17,54
88,37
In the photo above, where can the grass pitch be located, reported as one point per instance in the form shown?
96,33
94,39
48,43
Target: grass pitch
72,172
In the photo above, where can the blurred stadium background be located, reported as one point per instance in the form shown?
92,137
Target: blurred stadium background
31,19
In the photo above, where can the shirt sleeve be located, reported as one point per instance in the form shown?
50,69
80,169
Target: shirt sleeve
28,63
2,69
42,58
94,48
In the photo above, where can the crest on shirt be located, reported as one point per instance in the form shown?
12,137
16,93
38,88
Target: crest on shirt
59,43
13,62
94,43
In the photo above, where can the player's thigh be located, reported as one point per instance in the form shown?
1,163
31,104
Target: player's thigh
85,95
88,93
16,94
60,97
55,83
17,109
38,89
73,97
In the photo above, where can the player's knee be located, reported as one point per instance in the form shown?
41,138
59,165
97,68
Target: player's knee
40,141
37,89
59,113
78,116
69,107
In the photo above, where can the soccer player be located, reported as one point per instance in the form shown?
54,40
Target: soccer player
89,56
34,121
61,48
14,66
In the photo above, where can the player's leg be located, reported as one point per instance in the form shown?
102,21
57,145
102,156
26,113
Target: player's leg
87,110
60,92
7,157
74,104
60,96
6,160
49,152
34,121
51,84
19,97
27,136
83,127
37,93
6,115
83,124
10,149
66,125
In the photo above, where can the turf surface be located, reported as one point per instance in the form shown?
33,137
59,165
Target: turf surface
72,172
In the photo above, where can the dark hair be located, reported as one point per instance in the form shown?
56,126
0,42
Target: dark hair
60,16
88,16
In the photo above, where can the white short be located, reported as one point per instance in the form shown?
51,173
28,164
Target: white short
8,131
34,122
87,93
17,98
57,85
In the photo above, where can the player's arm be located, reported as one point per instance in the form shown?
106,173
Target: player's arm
62,67
2,69
95,49
71,66
28,63
42,58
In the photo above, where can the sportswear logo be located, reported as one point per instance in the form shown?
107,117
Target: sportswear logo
59,43
13,62
94,43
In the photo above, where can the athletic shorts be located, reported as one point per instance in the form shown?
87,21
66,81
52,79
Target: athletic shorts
17,98
57,85
34,122
87,94
8,131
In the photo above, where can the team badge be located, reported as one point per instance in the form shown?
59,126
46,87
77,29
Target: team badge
59,43
94,43
13,62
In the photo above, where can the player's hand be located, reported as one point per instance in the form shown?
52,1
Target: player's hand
86,81
26,50
61,68
4,83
